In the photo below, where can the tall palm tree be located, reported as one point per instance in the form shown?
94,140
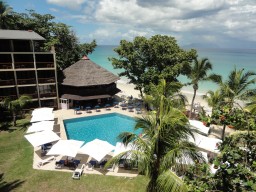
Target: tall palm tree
4,11
15,106
163,146
199,72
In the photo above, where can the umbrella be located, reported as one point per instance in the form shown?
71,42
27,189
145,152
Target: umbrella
97,149
40,138
42,117
41,126
44,110
66,148
120,148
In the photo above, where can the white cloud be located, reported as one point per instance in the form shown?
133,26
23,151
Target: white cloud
71,4
187,20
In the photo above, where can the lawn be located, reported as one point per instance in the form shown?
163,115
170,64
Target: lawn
17,174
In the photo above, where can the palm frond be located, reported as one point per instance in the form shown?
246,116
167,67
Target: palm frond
169,181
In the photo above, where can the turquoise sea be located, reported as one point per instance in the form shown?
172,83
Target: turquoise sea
223,61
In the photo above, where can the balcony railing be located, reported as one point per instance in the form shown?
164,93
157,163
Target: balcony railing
5,65
24,65
32,95
50,94
26,81
12,97
46,80
44,65
6,82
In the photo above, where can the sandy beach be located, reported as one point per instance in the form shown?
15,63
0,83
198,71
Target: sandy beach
128,90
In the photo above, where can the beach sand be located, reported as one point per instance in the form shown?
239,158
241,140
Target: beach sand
128,90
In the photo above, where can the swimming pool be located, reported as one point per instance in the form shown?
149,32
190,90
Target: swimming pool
105,127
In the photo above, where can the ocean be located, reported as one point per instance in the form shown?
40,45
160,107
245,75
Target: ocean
223,61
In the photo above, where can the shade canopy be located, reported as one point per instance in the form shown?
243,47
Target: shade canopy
206,143
66,148
120,148
199,126
41,126
97,149
42,117
40,138
44,110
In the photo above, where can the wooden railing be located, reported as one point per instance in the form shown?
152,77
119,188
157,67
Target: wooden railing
6,82
44,65
50,94
5,65
46,80
26,81
22,65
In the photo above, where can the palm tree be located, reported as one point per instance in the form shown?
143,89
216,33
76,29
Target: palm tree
213,98
15,106
198,72
251,106
163,146
237,86
4,11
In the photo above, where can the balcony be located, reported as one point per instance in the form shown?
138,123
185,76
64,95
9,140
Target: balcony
46,80
24,65
50,94
12,97
32,95
44,65
26,81
5,65
6,82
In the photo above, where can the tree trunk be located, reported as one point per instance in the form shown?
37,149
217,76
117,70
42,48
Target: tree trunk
152,186
192,104
141,93
223,132
14,119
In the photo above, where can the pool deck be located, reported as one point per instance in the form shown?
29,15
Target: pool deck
63,114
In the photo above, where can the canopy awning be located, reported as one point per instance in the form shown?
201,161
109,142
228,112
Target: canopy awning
66,148
97,149
40,138
84,98
41,126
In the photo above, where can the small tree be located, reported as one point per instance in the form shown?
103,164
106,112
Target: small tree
15,106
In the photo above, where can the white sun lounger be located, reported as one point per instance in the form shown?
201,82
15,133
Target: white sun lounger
78,172
43,161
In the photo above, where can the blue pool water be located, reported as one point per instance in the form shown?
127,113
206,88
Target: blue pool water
105,127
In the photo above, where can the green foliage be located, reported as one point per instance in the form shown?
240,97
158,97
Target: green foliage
237,86
16,106
236,167
5,11
67,47
147,61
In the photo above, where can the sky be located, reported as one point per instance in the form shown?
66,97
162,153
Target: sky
197,23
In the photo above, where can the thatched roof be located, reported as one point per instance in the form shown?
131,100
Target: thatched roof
87,73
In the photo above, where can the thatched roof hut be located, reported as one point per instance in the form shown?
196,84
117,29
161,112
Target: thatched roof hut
85,80
87,73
